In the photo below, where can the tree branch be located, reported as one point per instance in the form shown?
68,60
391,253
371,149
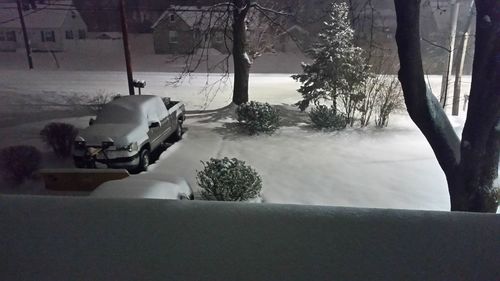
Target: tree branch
435,45
260,7
280,26
422,105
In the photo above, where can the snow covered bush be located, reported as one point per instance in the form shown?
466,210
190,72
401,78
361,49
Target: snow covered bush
389,100
338,70
258,117
17,163
324,117
228,180
60,137
383,96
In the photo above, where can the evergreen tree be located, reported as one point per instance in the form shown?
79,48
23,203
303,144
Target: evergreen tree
338,70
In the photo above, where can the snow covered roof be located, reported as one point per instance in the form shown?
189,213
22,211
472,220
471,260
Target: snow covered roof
133,102
294,29
45,16
195,16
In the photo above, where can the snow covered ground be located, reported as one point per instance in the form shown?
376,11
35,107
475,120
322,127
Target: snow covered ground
393,168
107,55
389,168
42,86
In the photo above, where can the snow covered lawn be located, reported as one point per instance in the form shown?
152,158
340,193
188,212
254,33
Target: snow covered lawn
393,168
389,168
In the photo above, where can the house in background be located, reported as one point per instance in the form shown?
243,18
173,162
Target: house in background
50,27
184,29
293,40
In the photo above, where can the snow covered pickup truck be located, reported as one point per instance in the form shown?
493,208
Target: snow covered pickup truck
127,130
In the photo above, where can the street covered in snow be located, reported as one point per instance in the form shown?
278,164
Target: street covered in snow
380,168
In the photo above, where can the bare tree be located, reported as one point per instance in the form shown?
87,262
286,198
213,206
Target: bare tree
248,29
470,165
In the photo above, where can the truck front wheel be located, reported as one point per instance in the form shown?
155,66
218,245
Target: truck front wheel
144,160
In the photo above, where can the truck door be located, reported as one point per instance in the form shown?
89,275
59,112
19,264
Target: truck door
154,132
166,127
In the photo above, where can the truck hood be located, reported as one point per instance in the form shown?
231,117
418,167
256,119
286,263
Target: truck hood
121,134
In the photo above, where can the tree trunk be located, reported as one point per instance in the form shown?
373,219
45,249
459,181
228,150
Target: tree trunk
470,166
473,184
240,57
478,167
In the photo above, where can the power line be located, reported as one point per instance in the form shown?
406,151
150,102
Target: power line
16,18
25,35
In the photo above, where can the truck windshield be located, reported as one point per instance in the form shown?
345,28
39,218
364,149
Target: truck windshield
118,114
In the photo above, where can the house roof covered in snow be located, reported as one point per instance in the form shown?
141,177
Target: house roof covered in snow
294,29
44,16
196,16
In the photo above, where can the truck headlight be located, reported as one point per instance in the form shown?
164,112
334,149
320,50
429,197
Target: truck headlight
79,142
131,147
108,143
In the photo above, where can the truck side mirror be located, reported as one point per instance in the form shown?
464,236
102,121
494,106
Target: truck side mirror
91,121
154,125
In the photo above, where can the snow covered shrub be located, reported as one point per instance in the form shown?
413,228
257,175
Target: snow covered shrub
17,163
324,117
60,137
389,100
258,117
228,180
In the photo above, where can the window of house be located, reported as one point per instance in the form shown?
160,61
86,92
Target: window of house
69,34
219,37
48,36
11,36
172,18
2,36
173,36
82,34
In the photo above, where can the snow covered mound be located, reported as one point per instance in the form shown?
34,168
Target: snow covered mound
100,239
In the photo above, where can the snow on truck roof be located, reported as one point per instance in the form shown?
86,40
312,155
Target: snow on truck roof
133,100
132,109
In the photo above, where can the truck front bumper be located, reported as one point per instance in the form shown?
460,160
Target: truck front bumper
111,161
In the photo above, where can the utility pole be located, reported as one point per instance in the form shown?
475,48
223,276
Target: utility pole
453,30
126,48
25,34
460,64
